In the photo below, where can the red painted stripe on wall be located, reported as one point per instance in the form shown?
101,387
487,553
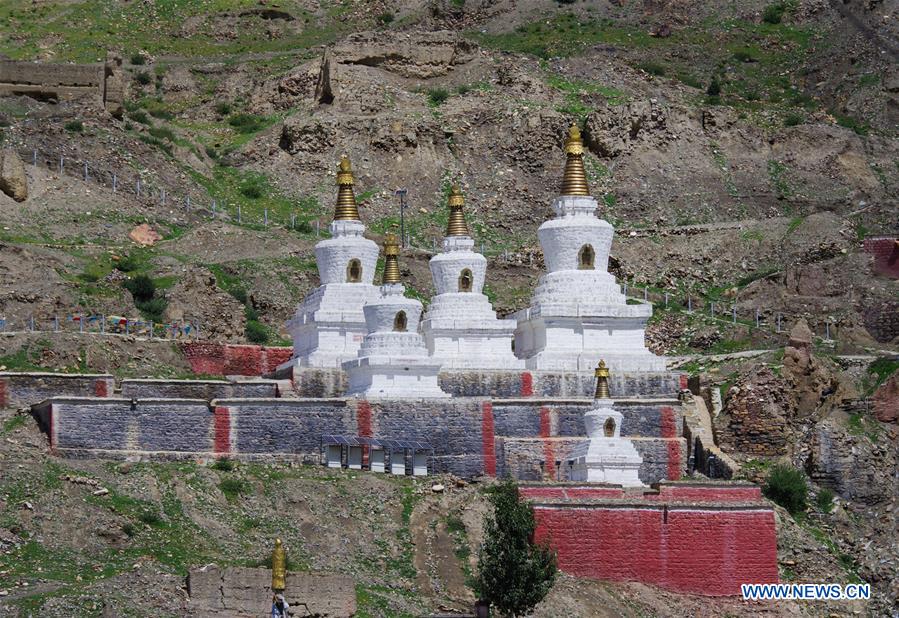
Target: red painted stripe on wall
488,447
222,426
674,469
549,451
363,426
101,388
4,400
527,384
668,422
684,381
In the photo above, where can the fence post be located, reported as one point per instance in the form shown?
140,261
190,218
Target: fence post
778,321
757,319
293,222
238,213
265,217
115,183
214,204
733,313
31,323
151,329
689,304
137,188
61,163
711,307
163,197
625,289
81,323
55,323
827,331
127,324
666,300
102,323
187,203
645,294
85,171
317,228
34,158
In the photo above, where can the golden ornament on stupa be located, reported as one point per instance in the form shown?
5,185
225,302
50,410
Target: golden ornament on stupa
456,225
391,259
602,381
279,567
346,200
574,182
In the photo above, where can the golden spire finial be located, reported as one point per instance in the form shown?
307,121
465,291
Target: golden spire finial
346,200
279,567
602,381
391,259
456,225
574,182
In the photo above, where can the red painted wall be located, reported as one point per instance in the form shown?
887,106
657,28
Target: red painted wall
686,549
228,359
222,425
886,255
488,444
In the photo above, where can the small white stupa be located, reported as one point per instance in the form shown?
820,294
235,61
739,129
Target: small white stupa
393,361
461,328
578,312
329,325
606,457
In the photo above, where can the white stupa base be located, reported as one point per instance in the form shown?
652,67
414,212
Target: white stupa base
328,328
577,343
393,377
462,331
606,457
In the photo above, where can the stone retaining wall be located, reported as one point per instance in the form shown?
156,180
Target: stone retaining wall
470,436
886,255
197,389
25,388
698,539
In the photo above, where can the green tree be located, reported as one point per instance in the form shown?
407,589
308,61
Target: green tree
514,573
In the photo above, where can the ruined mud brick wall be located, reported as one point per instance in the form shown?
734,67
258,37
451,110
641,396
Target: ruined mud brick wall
228,359
104,81
699,540
82,425
886,255
242,591
886,400
25,388
197,389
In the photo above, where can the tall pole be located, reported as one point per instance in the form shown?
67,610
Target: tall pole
402,195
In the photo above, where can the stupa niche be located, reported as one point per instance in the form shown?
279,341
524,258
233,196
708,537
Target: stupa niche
461,328
393,361
578,312
329,325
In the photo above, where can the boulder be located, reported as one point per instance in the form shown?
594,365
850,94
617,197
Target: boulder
144,235
13,181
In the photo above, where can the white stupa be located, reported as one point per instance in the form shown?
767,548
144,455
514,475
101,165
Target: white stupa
393,361
461,328
606,457
329,325
578,312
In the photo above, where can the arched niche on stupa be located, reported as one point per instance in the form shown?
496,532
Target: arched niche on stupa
466,280
354,271
608,428
586,258
399,322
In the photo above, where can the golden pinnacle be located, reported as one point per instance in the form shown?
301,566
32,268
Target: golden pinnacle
279,567
602,381
574,182
391,259
456,225
346,200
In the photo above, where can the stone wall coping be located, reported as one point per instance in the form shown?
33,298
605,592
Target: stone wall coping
53,374
119,401
282,402
709,483
648,505
573,401
165,381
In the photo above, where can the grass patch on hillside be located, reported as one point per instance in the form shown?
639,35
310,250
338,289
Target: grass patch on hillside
575,91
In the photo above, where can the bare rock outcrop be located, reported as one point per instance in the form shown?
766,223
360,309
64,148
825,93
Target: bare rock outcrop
13,180
815,386
307,135
197,298
420,55
610,130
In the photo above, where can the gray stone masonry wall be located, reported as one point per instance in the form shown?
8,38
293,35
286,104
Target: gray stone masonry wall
239,591
522,417
183,425
310,382
523,458
27,388
197,389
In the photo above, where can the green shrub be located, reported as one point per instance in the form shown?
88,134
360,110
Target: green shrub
744,55
138,59
714,88
212,153
239,294
74,126
223,108
139,116
824,500
128,264
786,486
246,123
150,518
143,78
129,529
774,13
250,313
386,17
142,288
162,114
232,488
256,332
153,309
793,118
437,96
253,187
223,464
653,68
